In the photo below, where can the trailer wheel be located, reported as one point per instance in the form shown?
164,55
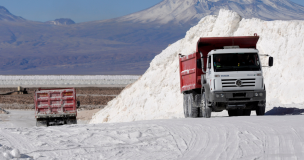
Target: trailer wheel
185,105
205,110
192,108
260,111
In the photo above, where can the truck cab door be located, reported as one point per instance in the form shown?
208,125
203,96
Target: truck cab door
208,73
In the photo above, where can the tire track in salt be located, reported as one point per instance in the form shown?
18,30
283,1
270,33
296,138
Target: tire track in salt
16,140
238,138
216,138
198,138
186,135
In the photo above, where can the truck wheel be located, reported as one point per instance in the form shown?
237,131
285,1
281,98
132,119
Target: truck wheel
205,110
192,109
71,121
185,105
42,123
246,112
232,112
235,112
260,111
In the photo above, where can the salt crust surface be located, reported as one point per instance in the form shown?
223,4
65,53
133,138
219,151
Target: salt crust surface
56,77
156,95
34,80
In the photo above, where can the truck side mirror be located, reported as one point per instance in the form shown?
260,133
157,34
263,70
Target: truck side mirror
270,62
198,63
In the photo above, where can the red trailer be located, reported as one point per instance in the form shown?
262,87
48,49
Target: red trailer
55,106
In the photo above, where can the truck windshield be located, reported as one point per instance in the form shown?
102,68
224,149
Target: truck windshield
236,62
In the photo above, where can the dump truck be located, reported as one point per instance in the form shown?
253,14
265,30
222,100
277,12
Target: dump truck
55,106
225,73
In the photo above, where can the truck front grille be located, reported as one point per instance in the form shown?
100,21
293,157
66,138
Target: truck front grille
239,99
246,82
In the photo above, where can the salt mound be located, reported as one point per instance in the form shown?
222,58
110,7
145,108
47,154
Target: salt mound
156,95
8,153
15,153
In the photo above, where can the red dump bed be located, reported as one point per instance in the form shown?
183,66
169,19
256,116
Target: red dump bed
55,103
190,75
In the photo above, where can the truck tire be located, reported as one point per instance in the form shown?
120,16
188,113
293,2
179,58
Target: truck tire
235,112
185,105
246,112
71,121
260,111
198,100
205,110
192,108
232,112
41,123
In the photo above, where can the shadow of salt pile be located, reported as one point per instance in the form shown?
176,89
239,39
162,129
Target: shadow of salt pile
285,111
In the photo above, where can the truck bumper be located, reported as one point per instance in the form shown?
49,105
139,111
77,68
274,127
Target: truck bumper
238,99
56,115
237,96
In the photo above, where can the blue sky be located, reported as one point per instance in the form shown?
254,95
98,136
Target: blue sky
78,10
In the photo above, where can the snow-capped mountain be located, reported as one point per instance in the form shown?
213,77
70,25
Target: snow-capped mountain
124,45
191,11
61,21
5,15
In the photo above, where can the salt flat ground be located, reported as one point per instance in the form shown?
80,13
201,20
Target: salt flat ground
18,118
26,118
255,137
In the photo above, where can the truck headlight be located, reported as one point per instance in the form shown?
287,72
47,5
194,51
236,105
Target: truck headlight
261,94
256,94
222,95
217,95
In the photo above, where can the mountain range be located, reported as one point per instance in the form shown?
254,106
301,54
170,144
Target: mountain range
124,45
61,21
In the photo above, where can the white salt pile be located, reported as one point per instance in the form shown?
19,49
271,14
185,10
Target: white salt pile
156,95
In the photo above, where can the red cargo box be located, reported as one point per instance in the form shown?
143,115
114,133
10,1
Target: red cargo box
190,75
51,103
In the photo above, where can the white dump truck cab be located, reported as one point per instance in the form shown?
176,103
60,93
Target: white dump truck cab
234,81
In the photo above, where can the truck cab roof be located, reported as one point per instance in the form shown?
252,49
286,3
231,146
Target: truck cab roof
234,50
